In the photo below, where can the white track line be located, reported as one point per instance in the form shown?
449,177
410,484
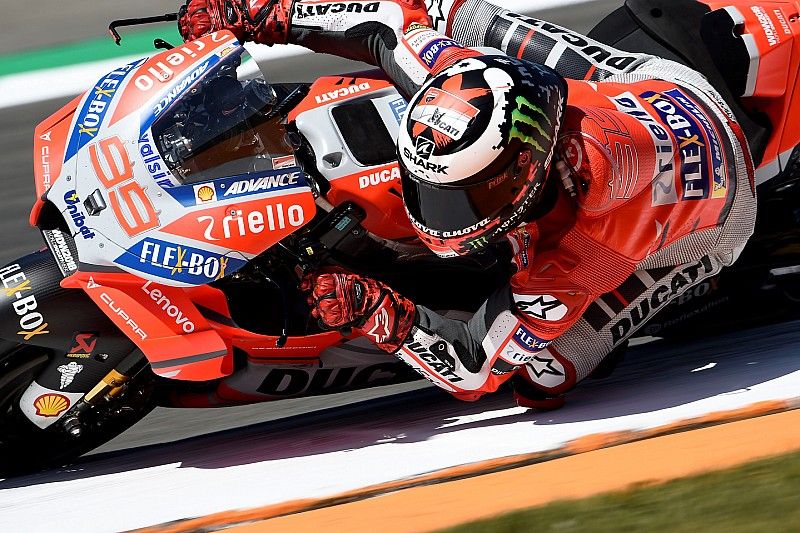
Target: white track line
47,84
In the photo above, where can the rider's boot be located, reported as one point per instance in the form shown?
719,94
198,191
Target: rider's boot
530,397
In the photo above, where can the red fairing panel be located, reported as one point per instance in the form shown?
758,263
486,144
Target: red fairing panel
771,33
163,322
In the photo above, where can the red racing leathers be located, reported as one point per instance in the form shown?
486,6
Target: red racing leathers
651,194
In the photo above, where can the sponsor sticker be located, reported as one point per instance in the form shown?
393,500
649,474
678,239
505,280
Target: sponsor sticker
398,108
664,191
153,163
17,285
118,310
444,112
83,345
646,304
239,186
181,263
386,174
166,305
95,108
280,163
336,94
699,148
63,250
295,380
379,330
320,9
50,405
718,168
176,91
205,193
606,58
68,373
528,340
77,215
766,24
435,353
424,147
430,52
438,9
512,341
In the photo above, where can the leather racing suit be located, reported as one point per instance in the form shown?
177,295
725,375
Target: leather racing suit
656,191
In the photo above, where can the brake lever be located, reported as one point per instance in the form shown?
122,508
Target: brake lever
112,28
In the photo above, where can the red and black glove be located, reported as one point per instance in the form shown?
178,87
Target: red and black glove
260,21
342,300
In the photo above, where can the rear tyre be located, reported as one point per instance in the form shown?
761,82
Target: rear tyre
25,448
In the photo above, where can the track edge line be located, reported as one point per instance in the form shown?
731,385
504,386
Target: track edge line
577,446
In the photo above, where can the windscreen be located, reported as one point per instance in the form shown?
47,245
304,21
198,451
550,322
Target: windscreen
225,125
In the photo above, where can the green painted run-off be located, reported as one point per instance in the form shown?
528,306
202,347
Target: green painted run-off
133,43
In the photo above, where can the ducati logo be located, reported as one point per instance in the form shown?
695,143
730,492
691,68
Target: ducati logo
424,147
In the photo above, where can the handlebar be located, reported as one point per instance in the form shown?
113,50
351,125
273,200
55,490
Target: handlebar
112,28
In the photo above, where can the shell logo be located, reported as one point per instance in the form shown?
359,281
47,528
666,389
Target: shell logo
51,404
206,193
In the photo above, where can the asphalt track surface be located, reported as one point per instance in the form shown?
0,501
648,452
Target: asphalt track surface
318,455
17,238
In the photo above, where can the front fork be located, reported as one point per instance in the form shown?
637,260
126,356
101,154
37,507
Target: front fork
107,390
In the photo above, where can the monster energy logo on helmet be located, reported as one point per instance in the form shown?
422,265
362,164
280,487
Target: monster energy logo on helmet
525,119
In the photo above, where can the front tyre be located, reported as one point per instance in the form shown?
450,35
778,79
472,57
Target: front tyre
25,448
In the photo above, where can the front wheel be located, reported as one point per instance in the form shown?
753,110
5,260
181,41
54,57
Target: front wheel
25,448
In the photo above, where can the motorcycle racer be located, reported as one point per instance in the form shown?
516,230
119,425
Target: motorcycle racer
620,180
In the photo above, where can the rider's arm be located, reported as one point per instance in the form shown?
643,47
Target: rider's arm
394,35
480,23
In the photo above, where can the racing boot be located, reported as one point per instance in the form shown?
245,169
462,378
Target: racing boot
530,397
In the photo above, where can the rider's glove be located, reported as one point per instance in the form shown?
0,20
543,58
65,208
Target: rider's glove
341,300
261,21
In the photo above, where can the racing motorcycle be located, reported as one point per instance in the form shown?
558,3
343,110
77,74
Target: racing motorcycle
183,197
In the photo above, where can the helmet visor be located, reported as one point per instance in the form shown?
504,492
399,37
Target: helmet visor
442,208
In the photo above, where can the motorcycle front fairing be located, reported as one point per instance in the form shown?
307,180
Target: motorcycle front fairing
175,174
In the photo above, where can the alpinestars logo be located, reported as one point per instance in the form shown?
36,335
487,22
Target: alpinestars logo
380,329
541,306
524,123
435,11
541,365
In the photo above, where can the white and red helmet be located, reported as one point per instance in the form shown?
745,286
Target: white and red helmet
476,146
